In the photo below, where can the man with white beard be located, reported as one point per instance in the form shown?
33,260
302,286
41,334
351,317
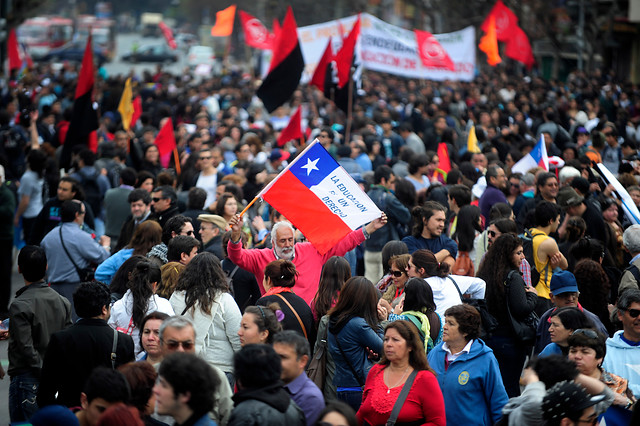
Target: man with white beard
304,256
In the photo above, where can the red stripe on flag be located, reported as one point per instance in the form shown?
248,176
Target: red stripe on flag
306,212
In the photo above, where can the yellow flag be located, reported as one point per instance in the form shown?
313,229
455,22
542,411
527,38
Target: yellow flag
125,107
472,141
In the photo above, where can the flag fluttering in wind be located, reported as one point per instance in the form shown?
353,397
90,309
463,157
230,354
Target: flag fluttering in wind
519,48
320,198
168,35
137,111
166,142
255,33
224,22
286,66
293,129
489,43
536,158
84,117
344,57
472,141
125,107
431,52
506,22
342,75
15,61
320,73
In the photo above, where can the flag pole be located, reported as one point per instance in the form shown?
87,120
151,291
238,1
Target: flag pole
248,206
347,133
176,158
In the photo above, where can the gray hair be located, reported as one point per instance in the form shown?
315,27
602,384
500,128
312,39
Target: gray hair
274,230
567,173
177,321
627,298
295,340
631,239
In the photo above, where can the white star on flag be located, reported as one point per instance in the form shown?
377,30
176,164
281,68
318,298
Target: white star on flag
311,165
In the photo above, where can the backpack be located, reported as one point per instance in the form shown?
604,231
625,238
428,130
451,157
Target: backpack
527,248
92,195
463,265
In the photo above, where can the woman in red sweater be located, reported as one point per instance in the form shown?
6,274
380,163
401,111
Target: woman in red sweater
403,353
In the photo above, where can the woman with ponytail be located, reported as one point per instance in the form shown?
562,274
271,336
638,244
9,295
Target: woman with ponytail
140,300
279,279
423,264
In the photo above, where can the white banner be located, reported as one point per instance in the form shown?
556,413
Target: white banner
390,49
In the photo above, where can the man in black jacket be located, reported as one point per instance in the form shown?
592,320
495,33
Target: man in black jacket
74,353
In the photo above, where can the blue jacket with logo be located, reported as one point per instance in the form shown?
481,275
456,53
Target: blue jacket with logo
472,385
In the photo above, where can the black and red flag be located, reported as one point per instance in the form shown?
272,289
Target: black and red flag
320,74
286,66
84,118
343,68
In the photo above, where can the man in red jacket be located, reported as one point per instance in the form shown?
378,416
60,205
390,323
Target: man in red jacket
307,259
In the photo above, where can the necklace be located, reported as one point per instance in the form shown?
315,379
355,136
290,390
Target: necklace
399,381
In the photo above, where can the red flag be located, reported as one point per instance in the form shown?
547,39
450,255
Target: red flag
344,57
286,66
166,140
432,54
519,48
224,22
321,69
168,35
255,34
506,21
293,129
489,44
15,62
137,110
443,156
276,28
84,118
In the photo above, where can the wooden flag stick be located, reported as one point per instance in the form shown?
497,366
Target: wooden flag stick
247,208
347,131
176,158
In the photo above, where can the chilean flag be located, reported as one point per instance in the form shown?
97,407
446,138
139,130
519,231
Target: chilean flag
320,198
536,158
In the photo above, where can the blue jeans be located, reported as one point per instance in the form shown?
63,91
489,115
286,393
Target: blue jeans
23,390
353,398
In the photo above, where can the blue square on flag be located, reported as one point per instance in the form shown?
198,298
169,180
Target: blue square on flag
312,167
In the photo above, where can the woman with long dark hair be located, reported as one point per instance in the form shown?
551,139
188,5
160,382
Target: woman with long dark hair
468,230
403,353
354,330
500,269
120,281
335,272
140,300
202,294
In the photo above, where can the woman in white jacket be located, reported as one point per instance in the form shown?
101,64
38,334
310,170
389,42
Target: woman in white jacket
202,294
139,300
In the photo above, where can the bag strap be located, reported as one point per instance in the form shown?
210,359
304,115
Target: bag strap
401,398
353,370
113,349
68,255
457,288
304,329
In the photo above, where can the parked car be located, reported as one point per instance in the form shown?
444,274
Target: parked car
152,53
199,55
73,52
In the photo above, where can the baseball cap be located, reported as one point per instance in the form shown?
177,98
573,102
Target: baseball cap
215,219
568,197
565,399
563,282
278,154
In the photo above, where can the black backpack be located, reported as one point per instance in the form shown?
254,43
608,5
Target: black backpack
92,194
527,248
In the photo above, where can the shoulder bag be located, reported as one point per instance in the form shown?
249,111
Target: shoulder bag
397,407
317,368
304,329
489,322
525,329
85,274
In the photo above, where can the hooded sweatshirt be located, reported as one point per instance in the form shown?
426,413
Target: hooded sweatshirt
472,385
267,406
624,360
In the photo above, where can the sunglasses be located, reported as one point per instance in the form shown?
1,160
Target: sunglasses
189,233
156,199
205,158
173,344
633,313
591,334
397,274
491,233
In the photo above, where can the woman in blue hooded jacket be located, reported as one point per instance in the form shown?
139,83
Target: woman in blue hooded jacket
467,370
354,332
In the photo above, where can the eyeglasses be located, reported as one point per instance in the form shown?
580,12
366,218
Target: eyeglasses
591,334
491,233
397,274
205,158
156,199
174,344
633,313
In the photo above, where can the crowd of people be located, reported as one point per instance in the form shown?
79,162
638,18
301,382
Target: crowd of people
479,296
